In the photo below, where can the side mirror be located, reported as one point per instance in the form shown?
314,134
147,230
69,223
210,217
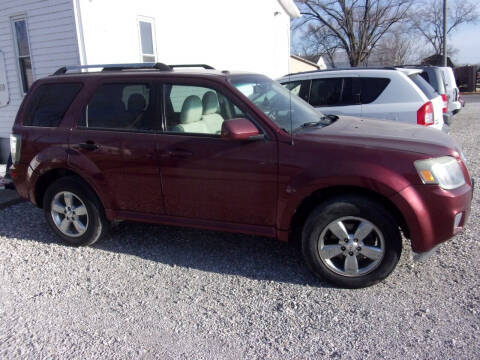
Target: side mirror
240,129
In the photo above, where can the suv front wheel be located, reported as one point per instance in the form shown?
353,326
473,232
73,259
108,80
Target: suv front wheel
351,241
74,213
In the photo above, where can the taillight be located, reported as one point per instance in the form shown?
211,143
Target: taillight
15,146
445,103
425,114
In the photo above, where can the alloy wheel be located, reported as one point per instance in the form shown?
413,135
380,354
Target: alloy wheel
351,246
69,214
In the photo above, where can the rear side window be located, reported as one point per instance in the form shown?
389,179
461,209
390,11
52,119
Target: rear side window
372,88
121,107
424,75
49,104
350,91
424,86
325,92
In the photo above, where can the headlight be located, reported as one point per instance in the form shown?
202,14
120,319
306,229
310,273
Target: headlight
443,171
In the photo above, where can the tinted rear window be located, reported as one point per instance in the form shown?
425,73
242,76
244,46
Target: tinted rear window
424,86
372,88
325,92
350,91
424,75
49,104
122,107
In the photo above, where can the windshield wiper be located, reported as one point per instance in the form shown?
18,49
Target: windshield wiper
311,124
324,120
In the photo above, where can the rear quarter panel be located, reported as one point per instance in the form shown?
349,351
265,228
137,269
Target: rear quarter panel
398,102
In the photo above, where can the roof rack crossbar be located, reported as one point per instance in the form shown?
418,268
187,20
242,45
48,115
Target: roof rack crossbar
205,66
114,67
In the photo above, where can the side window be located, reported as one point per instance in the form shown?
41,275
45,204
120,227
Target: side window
197,110
350,91
121,107
325,92
299,88
49,104
372,88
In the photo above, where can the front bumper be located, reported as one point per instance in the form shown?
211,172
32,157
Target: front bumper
432,213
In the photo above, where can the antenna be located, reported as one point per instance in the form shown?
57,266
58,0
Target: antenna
290,112
290,98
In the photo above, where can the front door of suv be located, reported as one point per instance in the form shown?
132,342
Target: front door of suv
114,144
205,176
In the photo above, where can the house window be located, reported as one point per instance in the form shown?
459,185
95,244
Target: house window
146,28
23,52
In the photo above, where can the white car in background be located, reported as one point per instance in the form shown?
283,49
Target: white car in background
453,93
397,94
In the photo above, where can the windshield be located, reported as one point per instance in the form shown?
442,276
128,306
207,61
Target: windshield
285,109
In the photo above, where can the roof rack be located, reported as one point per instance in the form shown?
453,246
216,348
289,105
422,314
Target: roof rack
205,66
134,66
413,65
345,68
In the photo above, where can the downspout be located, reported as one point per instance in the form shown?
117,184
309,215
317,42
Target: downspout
79,28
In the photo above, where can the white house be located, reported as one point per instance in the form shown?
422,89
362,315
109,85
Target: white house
39,36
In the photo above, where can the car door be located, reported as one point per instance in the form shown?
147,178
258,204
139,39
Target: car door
205,176
115,144
336,95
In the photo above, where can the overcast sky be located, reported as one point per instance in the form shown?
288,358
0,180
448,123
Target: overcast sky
467,40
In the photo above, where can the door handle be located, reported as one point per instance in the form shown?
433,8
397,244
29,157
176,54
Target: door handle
179,153
88,145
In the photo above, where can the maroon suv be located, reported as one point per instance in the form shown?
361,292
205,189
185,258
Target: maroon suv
235,152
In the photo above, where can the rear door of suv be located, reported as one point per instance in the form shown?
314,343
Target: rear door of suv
115,141
336,95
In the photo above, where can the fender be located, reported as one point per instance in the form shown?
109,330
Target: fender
90,172
371,177
58,158
50,158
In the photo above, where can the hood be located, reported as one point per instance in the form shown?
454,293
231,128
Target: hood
383,134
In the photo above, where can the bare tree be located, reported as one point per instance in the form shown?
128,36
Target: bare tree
316,43
427,19
395,48
355,26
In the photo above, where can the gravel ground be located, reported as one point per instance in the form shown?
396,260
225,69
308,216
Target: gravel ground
162,292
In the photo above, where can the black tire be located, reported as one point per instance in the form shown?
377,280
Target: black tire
351,207
97,225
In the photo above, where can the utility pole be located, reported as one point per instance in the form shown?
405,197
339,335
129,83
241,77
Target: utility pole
445,33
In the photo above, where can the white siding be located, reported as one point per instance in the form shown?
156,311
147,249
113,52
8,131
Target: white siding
53,43
249,35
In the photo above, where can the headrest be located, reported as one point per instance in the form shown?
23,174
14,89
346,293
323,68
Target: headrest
191,110
136,103
210,103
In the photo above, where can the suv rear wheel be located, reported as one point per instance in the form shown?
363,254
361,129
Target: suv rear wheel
74,213
351,241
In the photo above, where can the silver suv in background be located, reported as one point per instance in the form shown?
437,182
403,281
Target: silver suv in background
398,94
